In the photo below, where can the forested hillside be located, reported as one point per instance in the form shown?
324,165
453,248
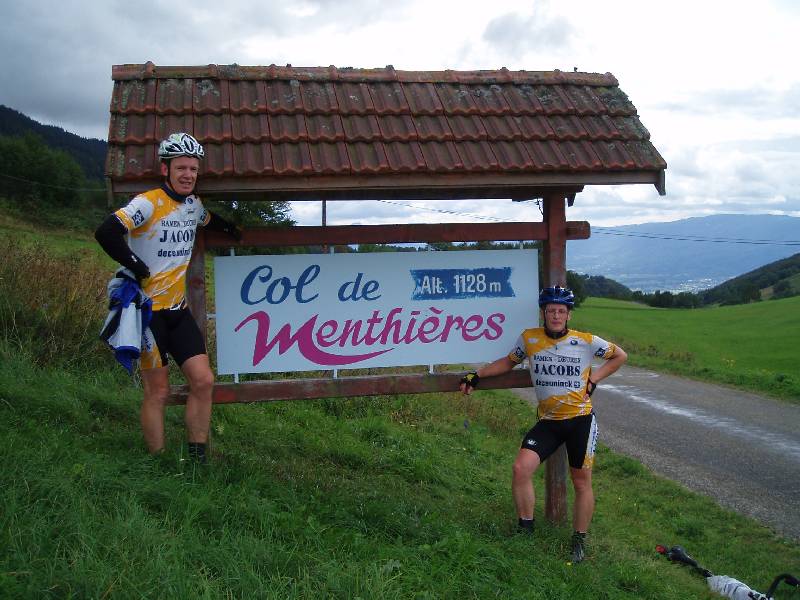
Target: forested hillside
777,277
90,154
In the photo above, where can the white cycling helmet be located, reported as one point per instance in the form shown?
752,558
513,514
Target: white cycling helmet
180,144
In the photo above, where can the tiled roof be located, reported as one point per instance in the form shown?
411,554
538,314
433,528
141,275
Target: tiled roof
341,131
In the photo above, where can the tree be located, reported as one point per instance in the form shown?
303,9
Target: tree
253,213
575,283
782,289
34,174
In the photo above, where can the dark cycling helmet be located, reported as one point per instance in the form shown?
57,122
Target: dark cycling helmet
180,144
556,295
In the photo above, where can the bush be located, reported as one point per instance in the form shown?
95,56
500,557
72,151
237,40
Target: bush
52,308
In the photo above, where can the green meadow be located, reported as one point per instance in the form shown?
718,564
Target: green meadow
751,346
389,497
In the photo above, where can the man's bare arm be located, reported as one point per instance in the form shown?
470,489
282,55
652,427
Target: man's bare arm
498,367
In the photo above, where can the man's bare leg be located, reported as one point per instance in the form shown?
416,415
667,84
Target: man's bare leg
525,466
198,404
156,390
583,509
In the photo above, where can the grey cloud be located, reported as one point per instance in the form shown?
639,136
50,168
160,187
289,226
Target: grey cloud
516,33
756,101
56,56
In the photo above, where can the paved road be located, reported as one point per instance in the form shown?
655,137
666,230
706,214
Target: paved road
741,449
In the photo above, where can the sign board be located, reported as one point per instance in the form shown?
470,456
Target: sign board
305,312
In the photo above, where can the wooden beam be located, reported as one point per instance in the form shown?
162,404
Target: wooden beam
398,233
370,385
410,186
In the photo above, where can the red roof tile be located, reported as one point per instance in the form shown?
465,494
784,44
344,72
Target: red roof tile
166,124
614,156
397,128
501,128
253,159
283,96
249,128
522,100
325,128
287,128
422,99
368,158
354,98
319,98
467,128
388,98
361,128
292,159
330,159
457,99
211,96
512,156
477,157
257,122
215,128
219,160
547,155
175,96
247,97
535,127
433,129
405,158
441,156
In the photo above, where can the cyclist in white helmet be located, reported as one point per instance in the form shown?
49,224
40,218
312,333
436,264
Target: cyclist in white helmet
153,237
561,369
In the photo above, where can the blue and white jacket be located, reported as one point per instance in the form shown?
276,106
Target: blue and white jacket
128,321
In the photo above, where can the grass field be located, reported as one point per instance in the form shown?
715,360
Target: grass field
388,497
753,346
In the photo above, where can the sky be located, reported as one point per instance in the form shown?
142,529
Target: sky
714,82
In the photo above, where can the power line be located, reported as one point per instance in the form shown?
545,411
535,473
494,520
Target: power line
50,185
447,212
697,238
598,230
646,235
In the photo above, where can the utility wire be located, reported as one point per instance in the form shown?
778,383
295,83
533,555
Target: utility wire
50,185
697,238
447,212
600,230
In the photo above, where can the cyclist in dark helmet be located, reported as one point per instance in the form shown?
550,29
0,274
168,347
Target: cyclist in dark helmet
153,237
561,369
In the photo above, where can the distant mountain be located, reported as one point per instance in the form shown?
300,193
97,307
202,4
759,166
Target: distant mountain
685,255
778,278
90,154
603,287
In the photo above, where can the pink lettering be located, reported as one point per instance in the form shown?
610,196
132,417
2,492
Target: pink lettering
302,337
310,339
471,325
493,321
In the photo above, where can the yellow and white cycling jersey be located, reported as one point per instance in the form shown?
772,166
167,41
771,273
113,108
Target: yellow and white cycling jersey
560,369
161,232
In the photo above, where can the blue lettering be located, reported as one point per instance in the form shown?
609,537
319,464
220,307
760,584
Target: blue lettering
357,292
279,289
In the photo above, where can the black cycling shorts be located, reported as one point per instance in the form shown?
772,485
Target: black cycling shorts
176,335
578,433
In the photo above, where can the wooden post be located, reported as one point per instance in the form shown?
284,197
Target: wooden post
554,267
109,194
196,283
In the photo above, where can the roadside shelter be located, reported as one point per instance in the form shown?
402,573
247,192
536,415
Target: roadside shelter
324,133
